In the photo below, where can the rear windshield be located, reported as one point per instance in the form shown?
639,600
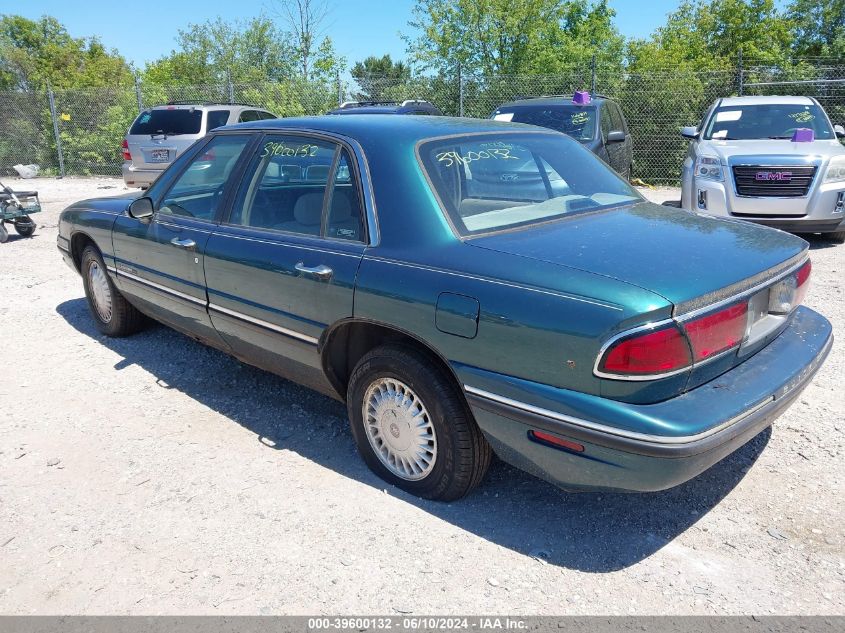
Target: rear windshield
579,122
766,121
496,181
169,122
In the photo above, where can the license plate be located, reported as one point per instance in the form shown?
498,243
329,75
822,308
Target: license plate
159,156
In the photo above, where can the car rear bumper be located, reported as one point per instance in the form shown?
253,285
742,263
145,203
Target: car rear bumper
624,449
134,177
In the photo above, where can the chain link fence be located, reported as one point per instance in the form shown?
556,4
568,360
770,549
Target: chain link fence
79,132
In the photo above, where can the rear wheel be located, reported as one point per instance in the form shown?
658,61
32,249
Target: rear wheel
113,314
412,427
837,236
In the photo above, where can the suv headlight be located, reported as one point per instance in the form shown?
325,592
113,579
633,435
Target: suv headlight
708,167
835,169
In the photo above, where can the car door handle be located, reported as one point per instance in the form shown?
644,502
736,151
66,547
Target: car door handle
320,272
187,243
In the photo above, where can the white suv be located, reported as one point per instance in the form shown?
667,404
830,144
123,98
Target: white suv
772,160
162,133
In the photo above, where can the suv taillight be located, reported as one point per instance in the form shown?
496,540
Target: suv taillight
125,148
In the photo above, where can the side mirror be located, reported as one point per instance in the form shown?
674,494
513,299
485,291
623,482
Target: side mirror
615,136
141,209
839,131
690,132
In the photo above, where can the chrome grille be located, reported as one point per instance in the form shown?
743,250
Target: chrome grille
782,181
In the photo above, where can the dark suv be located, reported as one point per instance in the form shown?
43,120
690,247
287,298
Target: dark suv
409,106
596,122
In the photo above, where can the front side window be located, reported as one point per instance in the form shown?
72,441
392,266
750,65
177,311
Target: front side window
300,185
766,121
490,182
579,122
197,191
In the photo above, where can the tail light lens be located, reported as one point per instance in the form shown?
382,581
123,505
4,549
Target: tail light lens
651,353
715,333
789,293
125,148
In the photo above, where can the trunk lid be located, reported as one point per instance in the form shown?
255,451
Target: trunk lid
688,259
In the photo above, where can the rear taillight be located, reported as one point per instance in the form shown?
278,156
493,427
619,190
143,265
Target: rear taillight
789,293
715,333
651,353
125,148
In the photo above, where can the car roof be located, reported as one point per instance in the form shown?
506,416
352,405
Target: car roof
553,100
772,100
386,128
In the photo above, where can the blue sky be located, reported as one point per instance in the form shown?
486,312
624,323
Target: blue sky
358,27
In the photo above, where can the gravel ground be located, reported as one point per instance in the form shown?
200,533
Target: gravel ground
153,475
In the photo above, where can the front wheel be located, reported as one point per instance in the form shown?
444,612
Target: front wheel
4,233
113,314
412,427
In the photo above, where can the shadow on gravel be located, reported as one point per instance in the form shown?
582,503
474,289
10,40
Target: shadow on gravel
818,242
591,532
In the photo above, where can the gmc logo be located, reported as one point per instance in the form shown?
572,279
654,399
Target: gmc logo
773,175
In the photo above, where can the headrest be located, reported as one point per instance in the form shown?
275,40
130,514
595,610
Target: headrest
308,209
317,172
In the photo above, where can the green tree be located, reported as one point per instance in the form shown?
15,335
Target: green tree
818,28
709,35
314,54
34,53
378,77
210,52
511,36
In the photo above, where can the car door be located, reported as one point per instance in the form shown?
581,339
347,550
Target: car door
282,268
159,260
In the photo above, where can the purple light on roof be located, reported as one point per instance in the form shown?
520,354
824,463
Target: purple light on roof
581,97
803,135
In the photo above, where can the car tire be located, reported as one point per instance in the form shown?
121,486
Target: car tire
419,433
837,236
113,314
4,233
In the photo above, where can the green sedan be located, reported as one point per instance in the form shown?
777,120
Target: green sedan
467,287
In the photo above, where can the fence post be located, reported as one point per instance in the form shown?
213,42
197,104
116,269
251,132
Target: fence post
339,90
56,132
230,86
138,93
460,91
593,76
741,74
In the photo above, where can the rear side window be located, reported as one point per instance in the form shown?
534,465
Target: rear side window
216,118
289,187
249,115
166,121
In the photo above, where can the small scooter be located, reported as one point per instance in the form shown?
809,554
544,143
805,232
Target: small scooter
15,209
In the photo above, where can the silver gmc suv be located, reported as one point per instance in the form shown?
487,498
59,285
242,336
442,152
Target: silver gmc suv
772,160
162,133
